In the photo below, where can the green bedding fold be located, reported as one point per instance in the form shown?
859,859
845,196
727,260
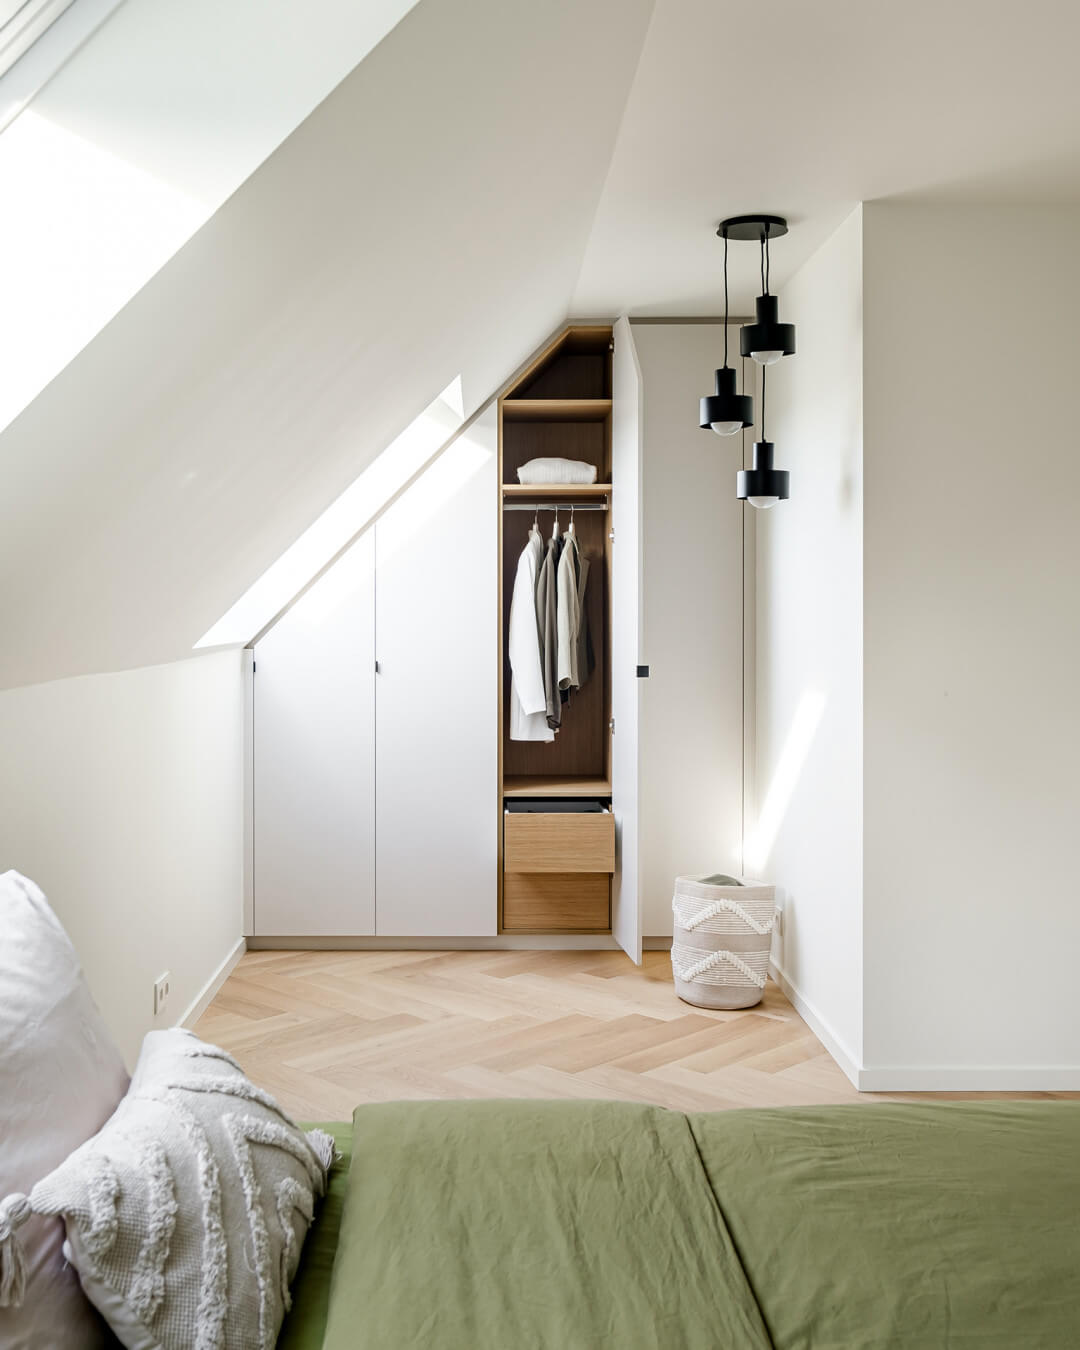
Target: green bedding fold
304,1326
521,1225
915,1226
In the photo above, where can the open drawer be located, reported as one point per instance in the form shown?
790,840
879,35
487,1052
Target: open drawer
542,842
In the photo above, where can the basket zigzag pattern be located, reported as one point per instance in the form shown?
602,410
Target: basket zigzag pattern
690,919
707,968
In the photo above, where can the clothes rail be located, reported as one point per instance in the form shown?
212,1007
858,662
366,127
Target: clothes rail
565,507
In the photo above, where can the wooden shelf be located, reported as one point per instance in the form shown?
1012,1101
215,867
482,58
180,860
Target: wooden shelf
547,786
566,490
556,409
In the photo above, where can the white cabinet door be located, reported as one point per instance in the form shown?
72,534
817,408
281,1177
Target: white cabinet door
626,626
436,697
314,759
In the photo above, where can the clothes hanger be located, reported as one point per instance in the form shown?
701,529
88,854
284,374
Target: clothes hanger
571,530
555,527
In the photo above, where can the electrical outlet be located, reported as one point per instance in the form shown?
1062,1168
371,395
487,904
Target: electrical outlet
161,993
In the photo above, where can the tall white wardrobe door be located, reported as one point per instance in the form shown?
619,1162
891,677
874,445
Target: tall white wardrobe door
436,697
314,759
626,634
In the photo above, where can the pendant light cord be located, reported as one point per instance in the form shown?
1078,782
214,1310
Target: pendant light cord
725,301
765,261
764,372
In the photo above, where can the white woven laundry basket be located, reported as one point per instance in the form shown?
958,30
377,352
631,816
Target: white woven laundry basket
722,936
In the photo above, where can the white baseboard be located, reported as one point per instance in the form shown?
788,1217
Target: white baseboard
821,1029
593,942
970,1078
203,999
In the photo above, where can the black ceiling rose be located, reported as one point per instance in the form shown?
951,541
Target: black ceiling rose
752,227
725,411
762,486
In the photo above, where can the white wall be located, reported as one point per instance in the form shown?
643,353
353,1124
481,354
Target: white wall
691,723
807,836
972,914
121,796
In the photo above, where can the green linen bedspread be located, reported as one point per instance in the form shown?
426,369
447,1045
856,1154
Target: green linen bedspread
582,1225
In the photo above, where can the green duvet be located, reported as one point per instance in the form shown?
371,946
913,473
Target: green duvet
574,1226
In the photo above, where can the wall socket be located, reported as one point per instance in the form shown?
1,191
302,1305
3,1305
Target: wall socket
161,993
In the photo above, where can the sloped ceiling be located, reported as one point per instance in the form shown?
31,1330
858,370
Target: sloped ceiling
132,140
427,220
490,168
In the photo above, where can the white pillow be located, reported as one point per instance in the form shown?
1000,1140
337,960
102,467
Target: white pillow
61,1078
186,1213
557,471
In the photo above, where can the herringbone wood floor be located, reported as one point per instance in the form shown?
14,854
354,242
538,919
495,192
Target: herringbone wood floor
325,1031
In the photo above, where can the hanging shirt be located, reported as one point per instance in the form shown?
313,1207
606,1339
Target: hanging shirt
528,702
547,623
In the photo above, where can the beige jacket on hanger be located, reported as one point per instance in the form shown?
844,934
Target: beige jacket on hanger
573,573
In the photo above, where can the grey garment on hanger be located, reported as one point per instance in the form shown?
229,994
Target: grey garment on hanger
547,604
575,649
584,656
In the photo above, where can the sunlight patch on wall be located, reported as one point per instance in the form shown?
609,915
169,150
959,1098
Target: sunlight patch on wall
789,769
62,285
340,522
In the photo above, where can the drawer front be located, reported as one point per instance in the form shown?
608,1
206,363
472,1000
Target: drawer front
547,901
535,842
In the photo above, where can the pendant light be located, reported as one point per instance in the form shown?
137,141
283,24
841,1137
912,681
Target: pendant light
767,340
762,486
725,411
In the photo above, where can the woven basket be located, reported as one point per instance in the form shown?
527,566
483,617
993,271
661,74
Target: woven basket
721,942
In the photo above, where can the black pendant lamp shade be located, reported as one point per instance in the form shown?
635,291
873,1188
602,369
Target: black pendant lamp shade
726,411
767,339
762,486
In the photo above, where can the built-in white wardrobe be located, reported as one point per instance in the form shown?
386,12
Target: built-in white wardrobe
387,799
374,753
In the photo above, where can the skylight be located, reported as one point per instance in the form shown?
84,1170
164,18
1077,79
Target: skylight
22,22
340,522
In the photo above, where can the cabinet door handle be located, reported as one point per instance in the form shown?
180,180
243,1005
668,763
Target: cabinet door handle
377,670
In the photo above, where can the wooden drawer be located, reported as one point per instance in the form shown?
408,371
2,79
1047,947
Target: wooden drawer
539,842
574,901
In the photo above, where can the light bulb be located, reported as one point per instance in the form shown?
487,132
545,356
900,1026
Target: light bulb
726,428
767,358
763,503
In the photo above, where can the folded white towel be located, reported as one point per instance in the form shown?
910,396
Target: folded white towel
557,471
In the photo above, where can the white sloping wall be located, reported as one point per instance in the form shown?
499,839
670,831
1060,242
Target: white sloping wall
121,796
135,143
972,921
807,835
427,220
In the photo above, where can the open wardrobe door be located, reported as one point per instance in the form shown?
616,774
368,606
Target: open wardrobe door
626,635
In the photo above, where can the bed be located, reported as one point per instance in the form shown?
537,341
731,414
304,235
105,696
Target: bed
584,1225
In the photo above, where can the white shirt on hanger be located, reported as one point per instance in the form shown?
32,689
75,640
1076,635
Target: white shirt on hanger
528,702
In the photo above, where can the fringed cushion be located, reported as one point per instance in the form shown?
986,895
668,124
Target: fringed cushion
186,1213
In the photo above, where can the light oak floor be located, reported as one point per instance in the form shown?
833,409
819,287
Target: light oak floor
326,1031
